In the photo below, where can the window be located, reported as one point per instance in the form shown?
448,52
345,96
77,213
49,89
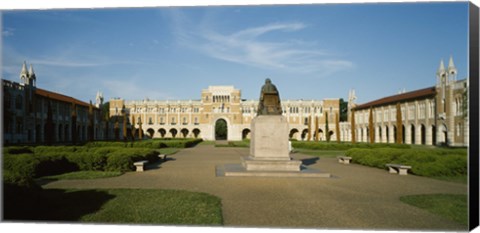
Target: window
18,102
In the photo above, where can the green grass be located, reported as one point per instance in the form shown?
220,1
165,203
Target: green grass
168,207
450,206
119,206
320,153
207,143
84,175
456,179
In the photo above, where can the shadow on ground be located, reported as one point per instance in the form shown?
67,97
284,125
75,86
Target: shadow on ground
36,204
310,161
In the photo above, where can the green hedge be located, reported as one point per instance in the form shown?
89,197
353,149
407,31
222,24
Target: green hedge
21,169
424,162
152,144
122,160
17,150
343,146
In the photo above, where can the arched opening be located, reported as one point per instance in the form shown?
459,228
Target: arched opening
380,133
443,135
434,135
65,130
403,134
184,132
412,133
60,131
221,129
150,132
304,134
422,134
387,134
395,134
162,132
196,132
38,134
246,134
320,134
173,132
293,134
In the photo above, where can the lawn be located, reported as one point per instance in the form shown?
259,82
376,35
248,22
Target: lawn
126,206
450,206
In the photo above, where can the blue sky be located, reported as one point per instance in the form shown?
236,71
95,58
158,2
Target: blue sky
309,51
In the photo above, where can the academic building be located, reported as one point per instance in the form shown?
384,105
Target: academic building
429,116
33,115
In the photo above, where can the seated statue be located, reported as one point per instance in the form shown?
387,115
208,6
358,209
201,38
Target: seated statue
269,103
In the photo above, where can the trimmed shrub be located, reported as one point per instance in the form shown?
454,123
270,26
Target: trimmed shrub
17,150
424,162
19,169
344,146
54,164
122,160
45,150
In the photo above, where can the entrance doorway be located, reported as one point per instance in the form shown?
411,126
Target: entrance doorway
221,129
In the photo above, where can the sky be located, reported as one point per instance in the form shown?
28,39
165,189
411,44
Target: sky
309,51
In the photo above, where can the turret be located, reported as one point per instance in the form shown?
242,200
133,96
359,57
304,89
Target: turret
32,78
24,73
452,70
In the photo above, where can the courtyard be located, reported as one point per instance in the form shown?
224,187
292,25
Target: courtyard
355,197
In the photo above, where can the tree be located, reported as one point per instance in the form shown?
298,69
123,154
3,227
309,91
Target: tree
399,125
327,132
337,126
343,110
353,127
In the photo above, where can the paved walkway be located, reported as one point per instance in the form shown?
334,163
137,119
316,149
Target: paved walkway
357,197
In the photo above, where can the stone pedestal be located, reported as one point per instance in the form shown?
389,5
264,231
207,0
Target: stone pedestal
269,150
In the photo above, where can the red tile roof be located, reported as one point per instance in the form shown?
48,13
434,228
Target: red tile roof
418,94
60,97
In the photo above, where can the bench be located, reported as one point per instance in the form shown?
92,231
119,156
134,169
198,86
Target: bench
140,165
163,157
344,159
398,168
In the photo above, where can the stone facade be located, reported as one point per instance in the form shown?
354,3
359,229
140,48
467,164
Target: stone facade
197,118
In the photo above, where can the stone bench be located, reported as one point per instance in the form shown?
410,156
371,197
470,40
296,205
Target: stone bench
344,159
163,157
140,165
398,168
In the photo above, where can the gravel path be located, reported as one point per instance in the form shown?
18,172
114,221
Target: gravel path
356,197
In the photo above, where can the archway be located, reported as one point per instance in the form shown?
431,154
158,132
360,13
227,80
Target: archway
293,133
434,135
162,132
173,132
412,134
387,135
196,132
304,134
443,134
403,134
184,132
246,134
150,132
422,134
221,130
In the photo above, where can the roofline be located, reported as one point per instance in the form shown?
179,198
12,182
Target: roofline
403,97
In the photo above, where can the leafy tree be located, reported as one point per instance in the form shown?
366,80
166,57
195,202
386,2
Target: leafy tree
327,132
343,110
399,125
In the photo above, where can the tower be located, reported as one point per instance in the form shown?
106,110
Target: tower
24,73
452,70
99,99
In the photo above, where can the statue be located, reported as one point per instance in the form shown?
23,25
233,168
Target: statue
269,103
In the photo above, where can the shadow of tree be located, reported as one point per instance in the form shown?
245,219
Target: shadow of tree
36,204
310,161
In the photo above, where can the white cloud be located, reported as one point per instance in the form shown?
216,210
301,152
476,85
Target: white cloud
8,32
260,47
